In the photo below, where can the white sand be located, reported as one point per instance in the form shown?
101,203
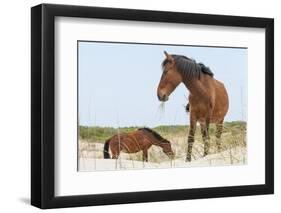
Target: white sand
235,156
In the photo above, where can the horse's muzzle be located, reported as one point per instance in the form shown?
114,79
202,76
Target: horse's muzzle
171,155
163,98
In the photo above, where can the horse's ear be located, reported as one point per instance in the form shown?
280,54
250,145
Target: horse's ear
168,56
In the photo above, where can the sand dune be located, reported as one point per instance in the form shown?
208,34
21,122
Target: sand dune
235,156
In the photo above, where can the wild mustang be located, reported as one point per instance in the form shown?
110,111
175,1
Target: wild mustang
133,142
208,99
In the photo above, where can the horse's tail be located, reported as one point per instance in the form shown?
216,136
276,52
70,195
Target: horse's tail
106,154
187,107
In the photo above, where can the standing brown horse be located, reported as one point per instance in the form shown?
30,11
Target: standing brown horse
208,99
133,142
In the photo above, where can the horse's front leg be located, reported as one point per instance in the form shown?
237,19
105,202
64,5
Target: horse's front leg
145,155
190,139
206,137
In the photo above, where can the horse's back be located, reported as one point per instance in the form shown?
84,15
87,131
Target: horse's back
129,142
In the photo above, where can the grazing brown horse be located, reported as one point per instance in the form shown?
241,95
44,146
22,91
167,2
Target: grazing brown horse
208,99
133,142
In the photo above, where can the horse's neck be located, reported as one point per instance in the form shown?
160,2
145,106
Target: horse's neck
155,142
158,143
151,139
196,87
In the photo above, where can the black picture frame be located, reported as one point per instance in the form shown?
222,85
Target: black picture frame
43,105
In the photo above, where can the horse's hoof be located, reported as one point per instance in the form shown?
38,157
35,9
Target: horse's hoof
188,159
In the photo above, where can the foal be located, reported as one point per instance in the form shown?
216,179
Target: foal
136,141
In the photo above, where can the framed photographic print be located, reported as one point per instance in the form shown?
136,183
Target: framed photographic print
139,106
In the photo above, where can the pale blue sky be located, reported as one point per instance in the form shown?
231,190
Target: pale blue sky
118,83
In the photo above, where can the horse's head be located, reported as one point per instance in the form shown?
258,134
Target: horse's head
170,78
167,149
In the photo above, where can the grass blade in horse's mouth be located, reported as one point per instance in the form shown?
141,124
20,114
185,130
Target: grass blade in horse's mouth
162,107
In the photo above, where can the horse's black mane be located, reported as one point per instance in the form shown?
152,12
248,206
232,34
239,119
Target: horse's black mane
188,67
155,134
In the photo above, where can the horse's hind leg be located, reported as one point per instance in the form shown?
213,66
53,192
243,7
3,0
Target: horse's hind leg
219,128
115,153
190,140
206,138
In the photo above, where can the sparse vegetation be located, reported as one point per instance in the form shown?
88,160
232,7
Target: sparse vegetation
100,134
233,140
